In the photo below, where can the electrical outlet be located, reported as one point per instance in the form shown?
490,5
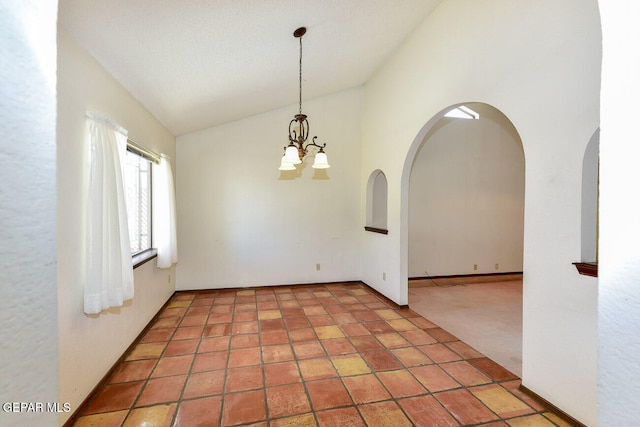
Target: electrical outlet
384,276
497,266
318,267
475,266
425,272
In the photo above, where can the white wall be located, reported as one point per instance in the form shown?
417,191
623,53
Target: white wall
538,63
466,197
90,345
241,222
28,330
619,258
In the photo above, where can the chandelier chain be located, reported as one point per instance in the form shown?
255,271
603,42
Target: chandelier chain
300,79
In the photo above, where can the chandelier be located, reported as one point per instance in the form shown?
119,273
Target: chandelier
299,130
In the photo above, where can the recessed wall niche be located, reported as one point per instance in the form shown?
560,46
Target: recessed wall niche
377,203
588,264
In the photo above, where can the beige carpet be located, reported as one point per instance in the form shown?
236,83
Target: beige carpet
487,316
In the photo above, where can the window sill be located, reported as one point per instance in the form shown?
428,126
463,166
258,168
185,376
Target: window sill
587,268
143,257
376,230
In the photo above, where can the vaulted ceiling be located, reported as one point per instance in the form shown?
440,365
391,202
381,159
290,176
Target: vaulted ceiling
199,63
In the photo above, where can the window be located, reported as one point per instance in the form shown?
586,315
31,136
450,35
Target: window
138,180
462,112
138,166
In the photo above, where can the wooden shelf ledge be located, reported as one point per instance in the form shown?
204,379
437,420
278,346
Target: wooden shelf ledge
376,230
587,268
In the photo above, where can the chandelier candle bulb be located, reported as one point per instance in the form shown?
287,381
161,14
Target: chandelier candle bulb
291,155
286,165
321,161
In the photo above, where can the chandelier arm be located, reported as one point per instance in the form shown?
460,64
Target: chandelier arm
304,129
313,142
292,131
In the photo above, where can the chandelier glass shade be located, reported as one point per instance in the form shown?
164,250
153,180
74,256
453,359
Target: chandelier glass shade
298,146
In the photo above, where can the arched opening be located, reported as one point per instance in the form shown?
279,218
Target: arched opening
465,229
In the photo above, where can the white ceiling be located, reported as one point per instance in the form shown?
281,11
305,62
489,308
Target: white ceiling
199,63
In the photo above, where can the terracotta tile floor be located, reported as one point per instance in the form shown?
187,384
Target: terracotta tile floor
330,355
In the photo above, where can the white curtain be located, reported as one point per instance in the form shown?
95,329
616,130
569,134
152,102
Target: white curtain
164,214
109,269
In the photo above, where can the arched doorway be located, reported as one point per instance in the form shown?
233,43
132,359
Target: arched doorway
465,225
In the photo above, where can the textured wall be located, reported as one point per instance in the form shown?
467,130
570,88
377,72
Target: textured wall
28,303
619,258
